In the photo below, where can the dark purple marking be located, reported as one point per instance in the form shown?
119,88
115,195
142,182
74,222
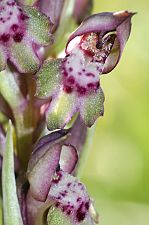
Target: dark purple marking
57,204
90,75
87,205
14,27
91,85
68,185
67,89
62,194
69,212
97,84
65,73
65,208
71,80
70,69
59,198
10,3
23,16
79,199
5,37
80,214
81,90
18,37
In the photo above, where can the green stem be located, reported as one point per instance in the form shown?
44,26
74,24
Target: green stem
10,90
66,24
85,151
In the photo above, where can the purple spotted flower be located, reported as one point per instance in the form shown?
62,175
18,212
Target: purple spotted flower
23,29
93,49
53,192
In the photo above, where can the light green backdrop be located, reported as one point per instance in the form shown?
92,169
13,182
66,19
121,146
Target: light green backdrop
117,170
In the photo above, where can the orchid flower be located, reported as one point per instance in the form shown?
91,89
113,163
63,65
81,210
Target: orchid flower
73,82
53,160
23,29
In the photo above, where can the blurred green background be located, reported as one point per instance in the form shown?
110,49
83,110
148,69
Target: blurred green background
117,170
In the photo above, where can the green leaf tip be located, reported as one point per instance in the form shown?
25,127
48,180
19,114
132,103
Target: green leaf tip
11,209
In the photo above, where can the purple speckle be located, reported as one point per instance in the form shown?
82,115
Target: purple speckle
67,89
71,80
80,214
87,205
69,212
70,69
5,37
18,37
14,27
57,204
68,185
63,194
23,16
90,75
59,197
79,199
65,73
81,90
11,3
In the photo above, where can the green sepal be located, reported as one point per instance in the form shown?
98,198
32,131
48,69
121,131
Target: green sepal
62,108
11,209
38,25
56,217
48,78
23,56
92,107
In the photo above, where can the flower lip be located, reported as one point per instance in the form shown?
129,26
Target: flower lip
70,197
21,28
12,21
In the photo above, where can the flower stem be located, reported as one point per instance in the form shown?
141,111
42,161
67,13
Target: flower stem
10,90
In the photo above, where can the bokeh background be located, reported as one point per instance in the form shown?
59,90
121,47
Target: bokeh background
117,170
